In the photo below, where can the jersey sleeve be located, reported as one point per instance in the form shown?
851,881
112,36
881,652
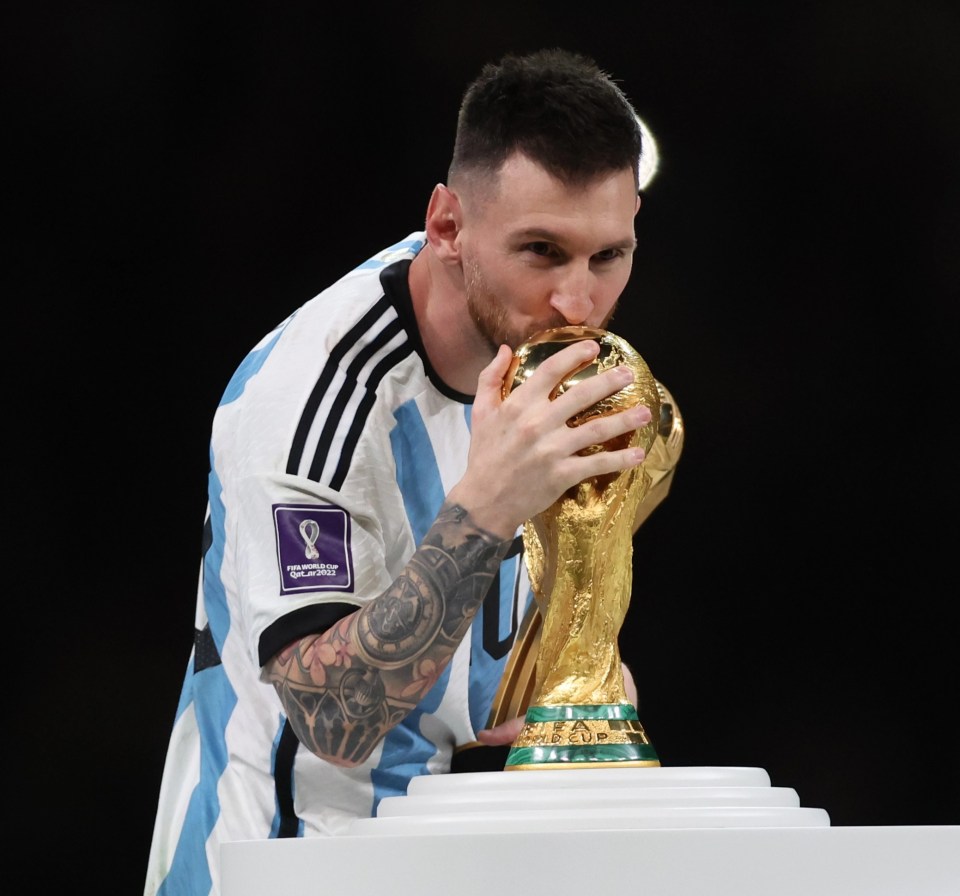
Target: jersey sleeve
305,557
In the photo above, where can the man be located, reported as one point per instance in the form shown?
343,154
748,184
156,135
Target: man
362,580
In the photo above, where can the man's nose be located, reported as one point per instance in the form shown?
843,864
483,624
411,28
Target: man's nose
571,297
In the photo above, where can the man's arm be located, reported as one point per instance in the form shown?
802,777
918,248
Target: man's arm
345,688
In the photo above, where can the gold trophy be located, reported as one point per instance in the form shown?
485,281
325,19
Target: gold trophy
566,669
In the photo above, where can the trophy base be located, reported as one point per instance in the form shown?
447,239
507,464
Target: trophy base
601,735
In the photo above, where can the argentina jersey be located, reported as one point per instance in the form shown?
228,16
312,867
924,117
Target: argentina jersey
336,412
429,440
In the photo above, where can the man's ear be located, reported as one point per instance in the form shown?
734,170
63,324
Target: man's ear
443,224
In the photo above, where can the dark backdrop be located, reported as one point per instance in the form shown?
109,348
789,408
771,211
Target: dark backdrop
183,175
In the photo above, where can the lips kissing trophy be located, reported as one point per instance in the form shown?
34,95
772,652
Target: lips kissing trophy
579,553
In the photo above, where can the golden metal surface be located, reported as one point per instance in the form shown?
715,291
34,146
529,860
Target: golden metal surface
516,689
582,731
579,551
557,766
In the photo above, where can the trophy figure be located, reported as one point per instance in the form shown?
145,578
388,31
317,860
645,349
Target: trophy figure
579,554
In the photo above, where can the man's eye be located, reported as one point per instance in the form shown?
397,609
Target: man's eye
609,254
543,249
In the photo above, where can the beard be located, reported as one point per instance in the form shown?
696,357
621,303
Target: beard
490,316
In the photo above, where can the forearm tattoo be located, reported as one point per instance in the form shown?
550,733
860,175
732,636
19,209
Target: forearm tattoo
345,689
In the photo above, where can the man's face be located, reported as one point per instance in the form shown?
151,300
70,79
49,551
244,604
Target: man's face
537,253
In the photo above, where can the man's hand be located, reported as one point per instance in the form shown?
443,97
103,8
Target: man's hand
505,733
524,455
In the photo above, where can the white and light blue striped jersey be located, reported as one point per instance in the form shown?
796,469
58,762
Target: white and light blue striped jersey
331,452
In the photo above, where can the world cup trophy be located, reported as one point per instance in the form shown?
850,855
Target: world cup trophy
579,554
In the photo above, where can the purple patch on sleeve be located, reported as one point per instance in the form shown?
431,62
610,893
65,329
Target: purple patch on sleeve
313,547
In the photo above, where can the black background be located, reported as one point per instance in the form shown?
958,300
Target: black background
183,175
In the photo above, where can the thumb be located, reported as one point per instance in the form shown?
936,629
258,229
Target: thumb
505,733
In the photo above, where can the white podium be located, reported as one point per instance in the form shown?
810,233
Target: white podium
711,831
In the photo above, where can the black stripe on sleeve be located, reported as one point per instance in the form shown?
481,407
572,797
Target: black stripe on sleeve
312,619
356,333
363,411
346,392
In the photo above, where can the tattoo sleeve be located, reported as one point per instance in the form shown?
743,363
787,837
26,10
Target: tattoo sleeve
345,689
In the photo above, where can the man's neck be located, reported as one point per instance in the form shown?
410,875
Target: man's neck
456,350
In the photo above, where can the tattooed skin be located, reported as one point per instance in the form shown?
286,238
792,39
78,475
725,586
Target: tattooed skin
345,689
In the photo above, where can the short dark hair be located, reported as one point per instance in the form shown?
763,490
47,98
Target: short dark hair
556,107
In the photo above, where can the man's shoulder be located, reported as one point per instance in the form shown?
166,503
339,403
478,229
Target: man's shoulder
350,298
352,326
405,249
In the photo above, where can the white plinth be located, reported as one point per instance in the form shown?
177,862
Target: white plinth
650,831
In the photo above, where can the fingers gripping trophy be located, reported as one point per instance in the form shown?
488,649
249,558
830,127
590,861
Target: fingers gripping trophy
579,552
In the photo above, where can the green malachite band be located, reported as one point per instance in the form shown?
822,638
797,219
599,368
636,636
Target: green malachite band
582,754
564,712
